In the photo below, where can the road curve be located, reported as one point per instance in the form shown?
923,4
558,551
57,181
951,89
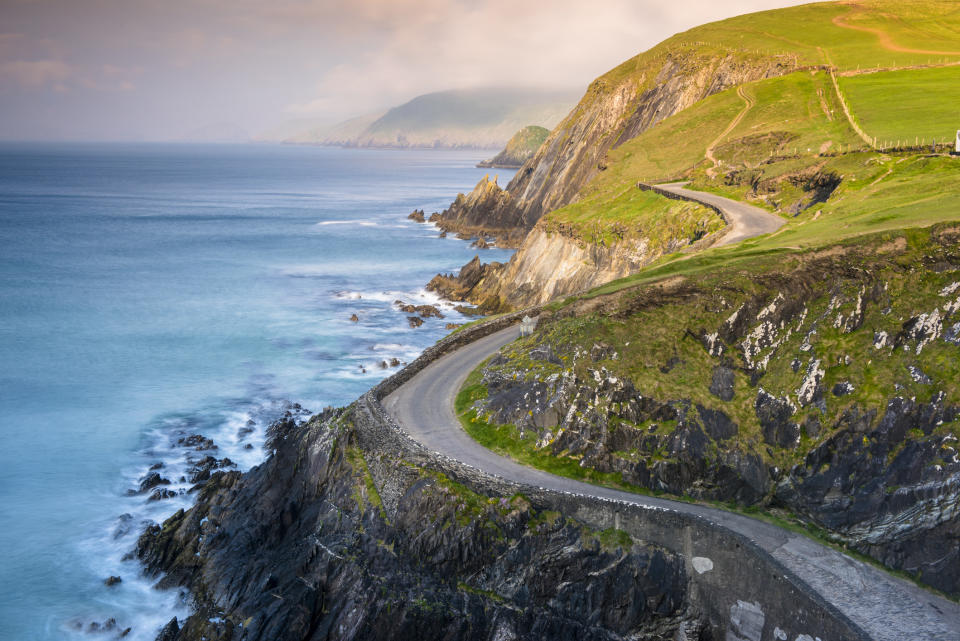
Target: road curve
885,607
743,220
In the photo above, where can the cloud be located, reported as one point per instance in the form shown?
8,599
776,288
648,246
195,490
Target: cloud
147,69
448,44
36,74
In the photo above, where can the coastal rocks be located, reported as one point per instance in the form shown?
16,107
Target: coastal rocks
486,211
417,216
108,627
197,441
201,470
327,539
111,581
354,318
150,481
468,284
161,494
424,311
170,632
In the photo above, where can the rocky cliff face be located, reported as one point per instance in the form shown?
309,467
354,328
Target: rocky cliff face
553,261
485,211
328,540
616,107
828,389
546,266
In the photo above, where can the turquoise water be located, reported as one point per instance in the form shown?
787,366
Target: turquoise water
153,292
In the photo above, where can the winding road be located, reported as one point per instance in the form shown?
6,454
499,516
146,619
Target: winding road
885,607
743,220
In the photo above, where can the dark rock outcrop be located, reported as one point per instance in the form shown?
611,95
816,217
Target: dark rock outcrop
851,422
309,546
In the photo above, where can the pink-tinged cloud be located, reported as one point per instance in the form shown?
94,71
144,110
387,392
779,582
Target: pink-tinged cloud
145,69
35,74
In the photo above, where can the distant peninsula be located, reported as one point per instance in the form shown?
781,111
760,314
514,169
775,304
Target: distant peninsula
521,147
459,119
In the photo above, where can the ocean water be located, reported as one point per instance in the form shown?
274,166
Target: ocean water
153,292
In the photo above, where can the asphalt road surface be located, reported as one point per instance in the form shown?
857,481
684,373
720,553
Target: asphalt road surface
745,221
885,607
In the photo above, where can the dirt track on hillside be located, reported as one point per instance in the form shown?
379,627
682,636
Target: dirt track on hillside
885,41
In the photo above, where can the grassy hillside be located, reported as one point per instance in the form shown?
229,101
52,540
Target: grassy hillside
906,105
521,146
808,141
823,331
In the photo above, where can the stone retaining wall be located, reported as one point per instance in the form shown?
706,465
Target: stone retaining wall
669,194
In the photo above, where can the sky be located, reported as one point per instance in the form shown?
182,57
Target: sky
141,70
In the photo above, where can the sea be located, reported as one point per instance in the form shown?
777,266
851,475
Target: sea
154,295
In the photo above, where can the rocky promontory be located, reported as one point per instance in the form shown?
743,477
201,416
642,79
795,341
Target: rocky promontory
331,538
520,148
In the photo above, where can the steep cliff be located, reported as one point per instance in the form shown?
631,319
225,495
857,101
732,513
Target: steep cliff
821,382
333,539
761,107
618,106
560,256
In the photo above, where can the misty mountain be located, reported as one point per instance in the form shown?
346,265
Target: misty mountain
472,118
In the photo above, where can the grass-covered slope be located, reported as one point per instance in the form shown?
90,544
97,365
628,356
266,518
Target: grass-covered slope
521,146
813,370
912,106
853,78
822,383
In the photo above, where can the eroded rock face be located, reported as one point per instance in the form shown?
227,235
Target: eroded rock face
306,547
818,392
610,113
884,493
592,419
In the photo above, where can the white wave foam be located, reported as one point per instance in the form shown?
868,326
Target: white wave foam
361,222
239,433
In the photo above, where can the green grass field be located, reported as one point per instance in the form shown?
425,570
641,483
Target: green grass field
795,131
634,214
907,105
803,105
